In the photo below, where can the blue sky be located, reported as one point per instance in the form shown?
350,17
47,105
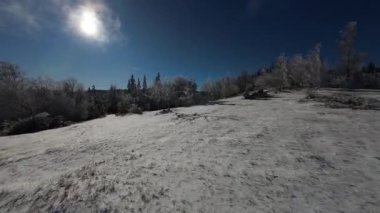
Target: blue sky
199,39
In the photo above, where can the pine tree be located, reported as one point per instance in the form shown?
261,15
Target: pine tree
144,87
93,90
129,86
132,85
133,82
157,80
112,99
138,84
371,68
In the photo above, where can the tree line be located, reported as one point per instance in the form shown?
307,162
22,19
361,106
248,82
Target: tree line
29,105
305,71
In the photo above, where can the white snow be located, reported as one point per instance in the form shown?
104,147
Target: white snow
275,155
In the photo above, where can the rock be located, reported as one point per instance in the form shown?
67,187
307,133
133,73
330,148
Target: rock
259,94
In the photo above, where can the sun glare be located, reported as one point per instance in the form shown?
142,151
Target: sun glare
89,23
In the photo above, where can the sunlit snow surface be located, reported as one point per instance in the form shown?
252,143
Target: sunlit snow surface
277,155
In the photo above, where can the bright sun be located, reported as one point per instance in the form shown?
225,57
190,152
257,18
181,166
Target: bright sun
89,22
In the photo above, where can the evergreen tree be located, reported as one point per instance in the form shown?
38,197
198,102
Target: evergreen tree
93,90
112,99
157,80
138,84
371,68
129,85
132,85
144,87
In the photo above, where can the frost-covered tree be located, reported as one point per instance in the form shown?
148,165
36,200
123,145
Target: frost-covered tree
212,89
228,88
315,67
300,71
277,75
297,67
244,81
350,60
183,86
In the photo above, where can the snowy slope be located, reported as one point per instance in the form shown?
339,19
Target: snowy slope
238,156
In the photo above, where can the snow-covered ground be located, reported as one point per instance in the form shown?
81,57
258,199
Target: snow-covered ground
275,155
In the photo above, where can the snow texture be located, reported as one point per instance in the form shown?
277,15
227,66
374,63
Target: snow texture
239,155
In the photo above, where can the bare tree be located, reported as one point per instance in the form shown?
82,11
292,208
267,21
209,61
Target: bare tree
212,88
69,86
297,67
350,60
228,88
277,75
315,67
12,88
40,94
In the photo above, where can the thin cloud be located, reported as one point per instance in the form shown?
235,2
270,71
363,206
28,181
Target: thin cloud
37,15
109,24
19,14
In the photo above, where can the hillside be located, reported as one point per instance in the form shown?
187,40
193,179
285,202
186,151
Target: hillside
238,155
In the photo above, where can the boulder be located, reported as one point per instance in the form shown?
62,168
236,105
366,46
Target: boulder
258,94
